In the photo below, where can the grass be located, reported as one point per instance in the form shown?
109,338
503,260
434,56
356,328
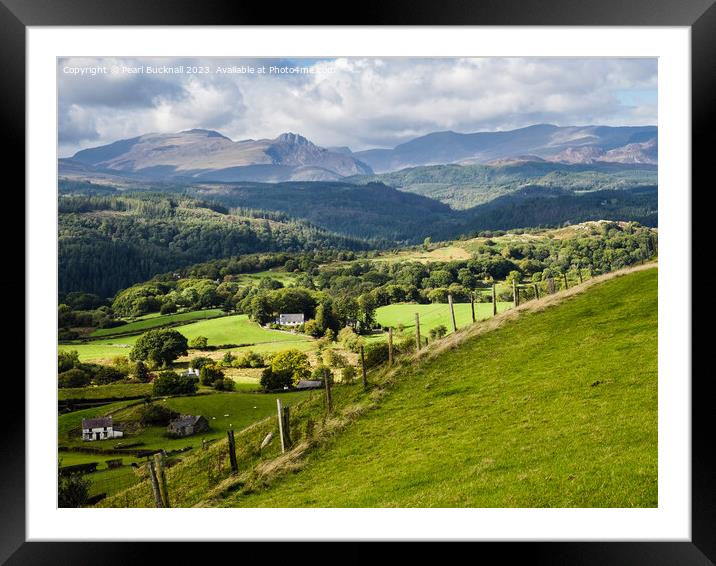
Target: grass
222,410
556,408
146,323
432,315
117,390
236,329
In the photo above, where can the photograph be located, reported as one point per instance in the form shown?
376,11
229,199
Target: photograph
357,282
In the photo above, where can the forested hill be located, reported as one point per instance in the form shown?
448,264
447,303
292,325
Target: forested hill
109,242
466,186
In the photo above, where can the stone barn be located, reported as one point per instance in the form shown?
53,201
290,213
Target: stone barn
186,425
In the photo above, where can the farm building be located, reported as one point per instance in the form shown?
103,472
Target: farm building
186,425
100,429
308,384
290,319
191,372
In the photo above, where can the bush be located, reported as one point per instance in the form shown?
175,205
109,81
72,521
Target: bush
270,380
67,360
292,365
168,308
199,362
108,374
348,374
334,359
319,374
170,383
72,490
199,343
73,378
438,332
376,354
249,359
152,414
141,372
228,358
209,373
350,340
224,384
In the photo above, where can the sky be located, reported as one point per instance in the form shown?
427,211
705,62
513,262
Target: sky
361,103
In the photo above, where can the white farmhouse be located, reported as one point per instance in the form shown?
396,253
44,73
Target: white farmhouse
290,319
99,429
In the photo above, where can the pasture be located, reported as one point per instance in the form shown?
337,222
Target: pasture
148,322
432,315
236,329
557,408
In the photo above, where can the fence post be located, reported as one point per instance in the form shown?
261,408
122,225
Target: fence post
452,313
280,425
417,331
494,300
155,485
287,426
327,384
515,296
566,286
232,451
390,345
472,305
162,479
579,273
550,285
362,367
536,290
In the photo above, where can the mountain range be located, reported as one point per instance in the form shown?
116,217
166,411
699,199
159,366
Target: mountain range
206,155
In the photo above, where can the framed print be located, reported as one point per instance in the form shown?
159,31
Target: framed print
425,276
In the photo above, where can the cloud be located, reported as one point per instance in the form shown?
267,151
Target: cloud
358,102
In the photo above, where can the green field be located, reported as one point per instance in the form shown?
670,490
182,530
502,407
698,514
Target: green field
432,315
557,408
242,409
116,390
236,329
145,323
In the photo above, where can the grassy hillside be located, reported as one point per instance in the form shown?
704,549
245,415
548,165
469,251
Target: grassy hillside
552,404
432,315
556,409
236,329
148,322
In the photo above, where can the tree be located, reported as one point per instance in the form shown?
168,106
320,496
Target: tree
67,360
171,383
199,362
270,380
160,347
366,311
72,490
153,414
291,365
108,374
141,372
426,243
199,343
224,384
349,374
73,378
209,373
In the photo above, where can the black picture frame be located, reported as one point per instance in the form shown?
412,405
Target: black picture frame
699,15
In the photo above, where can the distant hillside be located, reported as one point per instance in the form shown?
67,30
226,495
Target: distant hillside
465,186
208,155
110,240
572,144
373,211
